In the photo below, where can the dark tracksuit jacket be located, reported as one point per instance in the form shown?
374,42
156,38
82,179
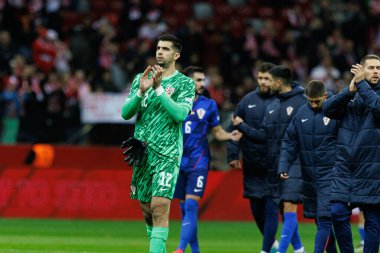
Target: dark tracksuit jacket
277,118
252,110
356,175
312,136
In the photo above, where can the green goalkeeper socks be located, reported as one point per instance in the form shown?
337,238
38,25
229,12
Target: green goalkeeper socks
158,240
149,231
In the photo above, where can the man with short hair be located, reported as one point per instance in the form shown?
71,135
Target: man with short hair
356,177
277,118
312,136
162,98
251,109
195,162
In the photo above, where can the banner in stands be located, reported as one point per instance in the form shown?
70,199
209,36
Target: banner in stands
103,107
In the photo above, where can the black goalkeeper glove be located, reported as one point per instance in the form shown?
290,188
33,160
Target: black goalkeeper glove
135,151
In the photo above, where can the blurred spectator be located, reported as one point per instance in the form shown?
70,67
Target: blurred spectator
326,72
132,17
7,51
105,83
215,86
44,50
84,45
10,110
63,57
33,120
55,107
76,87
153,26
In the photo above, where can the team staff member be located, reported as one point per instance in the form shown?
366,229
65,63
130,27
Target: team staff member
356,177
312,136
277,118
251,109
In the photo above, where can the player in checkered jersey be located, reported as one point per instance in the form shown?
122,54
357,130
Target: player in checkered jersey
191,183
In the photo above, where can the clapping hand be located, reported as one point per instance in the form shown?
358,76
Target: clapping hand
145,82
358,72
284,176
236,120
157,75
236,135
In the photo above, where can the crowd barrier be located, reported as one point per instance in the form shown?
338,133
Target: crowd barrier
93,183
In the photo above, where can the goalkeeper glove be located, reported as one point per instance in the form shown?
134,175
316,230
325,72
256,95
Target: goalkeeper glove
135,151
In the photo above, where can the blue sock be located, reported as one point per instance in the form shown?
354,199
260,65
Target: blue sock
323,234
194,242
182,206
189,223
296,239
361,233
288,227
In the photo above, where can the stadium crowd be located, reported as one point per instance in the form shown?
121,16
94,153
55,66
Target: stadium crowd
53,52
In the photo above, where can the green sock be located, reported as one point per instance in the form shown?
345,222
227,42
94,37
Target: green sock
149,231
158,240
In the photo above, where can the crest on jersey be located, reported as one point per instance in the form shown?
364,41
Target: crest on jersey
169,90
289,110
326,120
201,113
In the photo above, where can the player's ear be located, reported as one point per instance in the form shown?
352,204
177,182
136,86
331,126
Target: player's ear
176,56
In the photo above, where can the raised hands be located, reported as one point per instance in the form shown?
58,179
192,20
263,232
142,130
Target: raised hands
358,71
154,80
352,87
157,75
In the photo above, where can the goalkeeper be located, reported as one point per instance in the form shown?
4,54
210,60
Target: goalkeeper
161,97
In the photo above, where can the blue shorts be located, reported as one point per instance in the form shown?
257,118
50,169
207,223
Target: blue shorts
191,182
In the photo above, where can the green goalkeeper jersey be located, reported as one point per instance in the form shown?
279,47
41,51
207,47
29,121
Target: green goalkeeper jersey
154,124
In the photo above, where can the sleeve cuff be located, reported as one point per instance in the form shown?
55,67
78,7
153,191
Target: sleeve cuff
159,91
139,94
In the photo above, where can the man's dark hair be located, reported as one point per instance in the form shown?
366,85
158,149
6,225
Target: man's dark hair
190,70
177,44
315,88
265,67
282,72
369,57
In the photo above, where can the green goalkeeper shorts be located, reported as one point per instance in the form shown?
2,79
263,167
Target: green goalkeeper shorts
155,177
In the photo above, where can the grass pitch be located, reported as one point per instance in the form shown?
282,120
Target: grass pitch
63,236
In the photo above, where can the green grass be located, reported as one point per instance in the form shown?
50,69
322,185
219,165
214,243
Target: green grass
62,236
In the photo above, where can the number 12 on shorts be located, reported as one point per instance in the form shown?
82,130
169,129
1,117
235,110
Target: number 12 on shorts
165,179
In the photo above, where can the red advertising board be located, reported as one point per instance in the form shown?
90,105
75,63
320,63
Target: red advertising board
93,183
